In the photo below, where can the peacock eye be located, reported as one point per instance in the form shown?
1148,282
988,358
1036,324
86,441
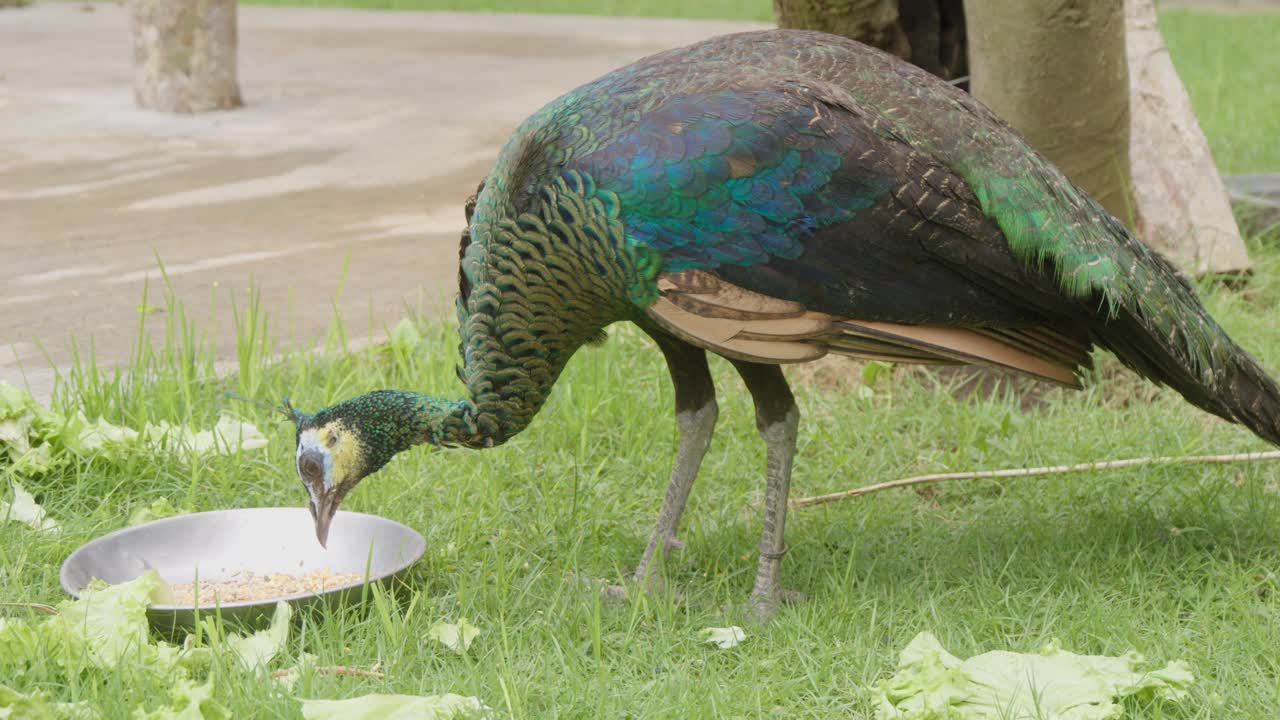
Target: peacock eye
311,467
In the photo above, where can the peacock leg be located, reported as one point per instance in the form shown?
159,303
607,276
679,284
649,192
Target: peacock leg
777,419
696,413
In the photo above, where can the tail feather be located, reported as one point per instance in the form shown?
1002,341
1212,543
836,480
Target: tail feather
1232,386
1253,398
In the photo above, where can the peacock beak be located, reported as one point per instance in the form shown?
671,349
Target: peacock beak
322,511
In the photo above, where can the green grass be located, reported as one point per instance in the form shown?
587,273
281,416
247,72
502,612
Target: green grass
1178,562
1229,64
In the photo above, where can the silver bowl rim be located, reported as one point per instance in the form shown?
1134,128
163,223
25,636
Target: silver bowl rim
368,579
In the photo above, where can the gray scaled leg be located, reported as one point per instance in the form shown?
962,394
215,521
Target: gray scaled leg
696,413
777,418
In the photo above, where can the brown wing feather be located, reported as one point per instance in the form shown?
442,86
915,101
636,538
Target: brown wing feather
710,312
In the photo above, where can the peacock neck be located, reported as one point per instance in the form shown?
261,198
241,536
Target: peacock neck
536,286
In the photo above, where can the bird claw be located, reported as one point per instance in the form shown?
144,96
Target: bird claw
653,586
650,578
764,604
614,592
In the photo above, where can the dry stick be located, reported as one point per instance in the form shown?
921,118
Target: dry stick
1024,472
336,670
40,607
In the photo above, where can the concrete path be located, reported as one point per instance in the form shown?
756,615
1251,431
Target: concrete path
363,134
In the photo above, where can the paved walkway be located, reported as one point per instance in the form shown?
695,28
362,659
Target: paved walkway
363,133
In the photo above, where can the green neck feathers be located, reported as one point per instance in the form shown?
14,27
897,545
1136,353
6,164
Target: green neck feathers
538,285
543,283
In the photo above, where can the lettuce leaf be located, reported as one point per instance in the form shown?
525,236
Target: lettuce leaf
25,427
109,622
227,436
259,649
190,702
455,637
19,706
25,509
161,508
724,638
395,707
931,684
30,434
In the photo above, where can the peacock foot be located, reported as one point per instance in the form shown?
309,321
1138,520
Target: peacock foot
654,587
648,576
626,590
614,592
765,603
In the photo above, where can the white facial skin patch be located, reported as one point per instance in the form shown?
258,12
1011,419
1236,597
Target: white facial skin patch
339,448
311,440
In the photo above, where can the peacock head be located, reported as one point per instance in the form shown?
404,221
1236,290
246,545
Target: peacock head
339,446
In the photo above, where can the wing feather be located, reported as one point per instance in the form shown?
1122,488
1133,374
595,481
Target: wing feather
755,332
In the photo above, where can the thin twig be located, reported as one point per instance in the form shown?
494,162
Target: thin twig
335,670
39,607
1024,472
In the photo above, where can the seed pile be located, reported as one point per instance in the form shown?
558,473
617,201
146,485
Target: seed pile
250,586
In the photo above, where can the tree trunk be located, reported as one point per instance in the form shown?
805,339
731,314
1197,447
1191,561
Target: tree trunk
1089,85
184,54
928,33
1057,72
874,22
1180,201
936,33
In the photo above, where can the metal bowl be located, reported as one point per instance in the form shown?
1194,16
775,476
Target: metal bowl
218,545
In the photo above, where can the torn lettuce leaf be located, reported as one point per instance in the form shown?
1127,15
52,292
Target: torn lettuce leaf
932,684
227,436
725,637
99,437
36,706
395,707
404,337
32,706
161,508
36,461
22,418
24,428
30,434
190,702
25,509
109,622
19,640
259,649
455,637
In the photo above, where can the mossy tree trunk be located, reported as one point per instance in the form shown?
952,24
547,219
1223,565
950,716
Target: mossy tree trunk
874,22
1088,82
184,54
928,33
1056,70
936,33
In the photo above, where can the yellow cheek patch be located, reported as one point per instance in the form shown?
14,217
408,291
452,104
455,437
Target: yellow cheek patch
344,449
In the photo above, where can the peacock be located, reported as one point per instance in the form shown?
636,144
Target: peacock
773,197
